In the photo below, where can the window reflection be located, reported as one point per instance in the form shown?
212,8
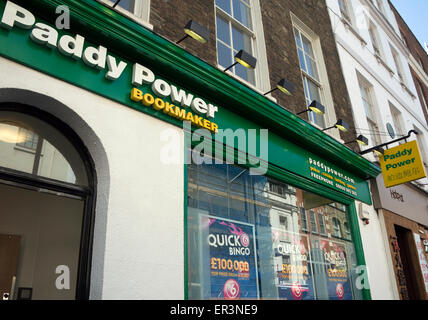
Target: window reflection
29,145
294,250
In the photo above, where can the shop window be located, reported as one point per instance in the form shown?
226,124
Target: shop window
255,250
45,209
52,155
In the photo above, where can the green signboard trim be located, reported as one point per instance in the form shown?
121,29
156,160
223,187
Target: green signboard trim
97,17
121,34
282,152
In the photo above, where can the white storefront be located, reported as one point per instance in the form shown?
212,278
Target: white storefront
140,225
382,92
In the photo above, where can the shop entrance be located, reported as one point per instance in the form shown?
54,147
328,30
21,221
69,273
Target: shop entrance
46,215
40,242
406,244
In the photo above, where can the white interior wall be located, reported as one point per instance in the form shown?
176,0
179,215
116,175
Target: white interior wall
50,229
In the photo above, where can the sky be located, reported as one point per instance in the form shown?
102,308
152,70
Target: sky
415,13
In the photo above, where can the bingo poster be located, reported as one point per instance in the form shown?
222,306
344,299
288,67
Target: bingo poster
294,280
338,280
232,264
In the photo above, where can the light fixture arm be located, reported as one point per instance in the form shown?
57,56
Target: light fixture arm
328,128
116,3
270,91
230,67
301,112
391,142
185,37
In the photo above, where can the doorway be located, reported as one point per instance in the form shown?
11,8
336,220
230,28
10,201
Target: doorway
41,241
406,244
47,207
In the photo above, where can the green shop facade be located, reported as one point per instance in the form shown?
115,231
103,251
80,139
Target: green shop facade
133,170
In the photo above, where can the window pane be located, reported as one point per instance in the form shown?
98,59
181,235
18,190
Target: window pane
241,41
223,32
242,13
297,38
224,4
303,219
247,244
224,55
321,222
314,228
313,89
29,139
29,145
127,5
302,60
307,47
244,73
311,68
314,93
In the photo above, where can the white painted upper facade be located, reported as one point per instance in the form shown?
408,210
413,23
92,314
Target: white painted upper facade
384,71
375,65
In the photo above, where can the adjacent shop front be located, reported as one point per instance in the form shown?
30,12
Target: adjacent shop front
404,211
186,183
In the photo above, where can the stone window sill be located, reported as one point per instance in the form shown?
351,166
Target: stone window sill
404,86
384,64
349,26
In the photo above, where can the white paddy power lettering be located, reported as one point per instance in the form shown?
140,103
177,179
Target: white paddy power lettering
232,241
98,57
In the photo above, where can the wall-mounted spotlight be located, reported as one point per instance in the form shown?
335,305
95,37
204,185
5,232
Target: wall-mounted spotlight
379,151
244,58
315,106
340,124
283,85
362,140
195,31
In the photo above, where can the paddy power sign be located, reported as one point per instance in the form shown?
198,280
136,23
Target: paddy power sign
200,114
402,164
159,92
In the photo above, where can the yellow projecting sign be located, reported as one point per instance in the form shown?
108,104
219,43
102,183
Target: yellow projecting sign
402,164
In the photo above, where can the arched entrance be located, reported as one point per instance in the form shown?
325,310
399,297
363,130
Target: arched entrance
47,187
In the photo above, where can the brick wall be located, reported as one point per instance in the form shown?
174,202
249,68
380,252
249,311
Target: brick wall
169,16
